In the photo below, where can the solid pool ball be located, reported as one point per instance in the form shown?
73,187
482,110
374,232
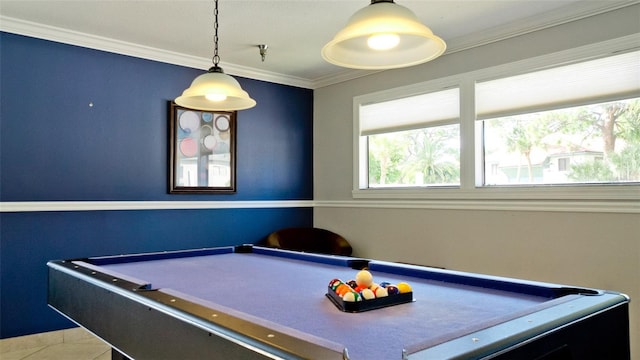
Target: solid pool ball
392,290
352,283
363,277
404,287
384,284
343,289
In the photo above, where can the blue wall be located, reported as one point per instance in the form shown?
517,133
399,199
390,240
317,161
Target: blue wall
55,147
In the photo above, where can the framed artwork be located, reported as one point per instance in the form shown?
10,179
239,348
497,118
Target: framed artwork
202,151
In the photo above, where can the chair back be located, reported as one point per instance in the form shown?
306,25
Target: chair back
314,240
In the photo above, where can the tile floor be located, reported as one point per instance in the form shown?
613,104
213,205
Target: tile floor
71,344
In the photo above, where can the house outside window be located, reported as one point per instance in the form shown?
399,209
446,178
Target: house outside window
563,164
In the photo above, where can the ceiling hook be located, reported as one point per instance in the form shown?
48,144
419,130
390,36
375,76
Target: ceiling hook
263,50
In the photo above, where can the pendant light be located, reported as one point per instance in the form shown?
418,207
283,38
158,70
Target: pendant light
215,90
383,35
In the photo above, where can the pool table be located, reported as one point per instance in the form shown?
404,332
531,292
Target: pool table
251,302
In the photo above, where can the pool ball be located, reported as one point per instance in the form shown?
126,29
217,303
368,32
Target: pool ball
392,290
335,285
374,288
381,292
367,294
404,287
351,296
359,288
384,284
343,289
363,277
352,283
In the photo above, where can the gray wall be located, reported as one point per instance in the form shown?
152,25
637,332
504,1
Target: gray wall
582,248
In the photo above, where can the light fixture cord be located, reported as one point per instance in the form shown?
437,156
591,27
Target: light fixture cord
216,57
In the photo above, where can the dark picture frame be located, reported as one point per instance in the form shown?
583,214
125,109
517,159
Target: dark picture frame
202,151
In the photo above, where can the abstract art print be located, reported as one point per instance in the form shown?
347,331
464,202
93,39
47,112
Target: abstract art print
202,149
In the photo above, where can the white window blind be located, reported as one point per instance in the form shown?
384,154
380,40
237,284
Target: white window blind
410,112
601,80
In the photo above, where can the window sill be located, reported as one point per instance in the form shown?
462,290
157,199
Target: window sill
617,199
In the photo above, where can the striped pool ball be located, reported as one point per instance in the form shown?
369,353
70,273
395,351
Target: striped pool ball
351,296
335,284
381,292
367,294
374,288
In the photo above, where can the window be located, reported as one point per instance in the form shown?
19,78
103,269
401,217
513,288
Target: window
534,129
563,164
577,123
412,141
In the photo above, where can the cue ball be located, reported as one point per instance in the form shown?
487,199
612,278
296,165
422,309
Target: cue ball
364,278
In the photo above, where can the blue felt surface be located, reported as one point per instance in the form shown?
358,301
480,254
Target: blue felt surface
291,292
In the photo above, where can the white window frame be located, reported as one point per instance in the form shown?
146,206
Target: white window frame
471,189
436,86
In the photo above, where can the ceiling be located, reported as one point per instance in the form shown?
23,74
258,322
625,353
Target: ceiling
181,31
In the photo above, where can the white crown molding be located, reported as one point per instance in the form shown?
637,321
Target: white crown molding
34,206
65,36
573,12
343,76
253,73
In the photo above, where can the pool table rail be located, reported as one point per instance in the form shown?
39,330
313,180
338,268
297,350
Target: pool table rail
534,288
115,308
589,330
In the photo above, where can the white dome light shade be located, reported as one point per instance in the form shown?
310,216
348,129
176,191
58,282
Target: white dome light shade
215,90
382,20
